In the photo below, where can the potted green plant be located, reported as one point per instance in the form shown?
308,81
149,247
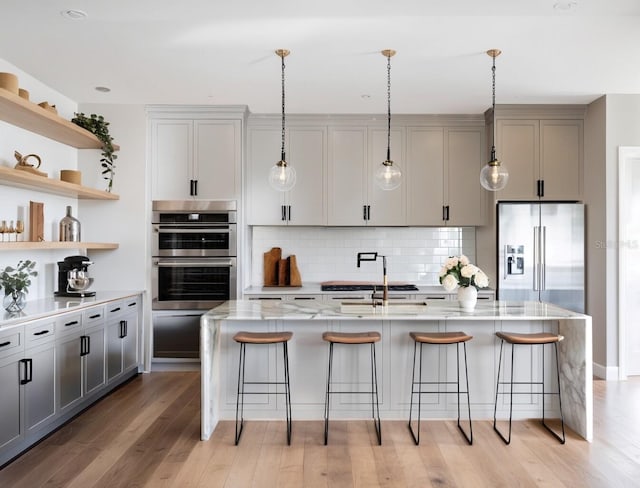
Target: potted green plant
16,282
100,128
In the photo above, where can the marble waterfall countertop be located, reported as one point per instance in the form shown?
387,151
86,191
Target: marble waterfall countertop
309,318
46,307
433,310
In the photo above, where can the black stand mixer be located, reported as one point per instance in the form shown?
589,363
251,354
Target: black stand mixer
73,280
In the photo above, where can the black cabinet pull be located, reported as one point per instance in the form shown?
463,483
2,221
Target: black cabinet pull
542,188
289,213
283,213
94,316
132,304
115,310
85,345
446,212
195,187
28,371
367,212
191,188
123,329
42,332
4,344
73,322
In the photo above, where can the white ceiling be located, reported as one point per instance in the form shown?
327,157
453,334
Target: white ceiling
221,52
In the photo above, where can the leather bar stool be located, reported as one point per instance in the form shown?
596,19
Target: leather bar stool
260,338
439,338
534,339
354,338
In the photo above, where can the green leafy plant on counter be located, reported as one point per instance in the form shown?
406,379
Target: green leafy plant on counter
100,128
18,279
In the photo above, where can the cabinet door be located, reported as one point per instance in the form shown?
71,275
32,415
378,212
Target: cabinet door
561,158
307,154
518,147
265,203
171,159
388,207
217,159
69,370
94,361
464,194
346,176
130,342
10,375
39,393
114,348
425,176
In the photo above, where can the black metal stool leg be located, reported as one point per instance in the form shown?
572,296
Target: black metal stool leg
285,354
327,399
240,393
556,435
416,439
506,440
374,387
466,373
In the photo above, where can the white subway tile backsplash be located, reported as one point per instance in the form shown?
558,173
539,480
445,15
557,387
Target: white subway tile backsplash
414,254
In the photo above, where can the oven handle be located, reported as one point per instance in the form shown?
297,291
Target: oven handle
217,263
182,230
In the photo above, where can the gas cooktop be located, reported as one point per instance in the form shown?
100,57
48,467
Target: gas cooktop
361,285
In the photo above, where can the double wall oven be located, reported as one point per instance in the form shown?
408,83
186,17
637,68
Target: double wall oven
194,252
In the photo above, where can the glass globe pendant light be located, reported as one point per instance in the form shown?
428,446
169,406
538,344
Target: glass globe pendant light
282,177
388,175
494,175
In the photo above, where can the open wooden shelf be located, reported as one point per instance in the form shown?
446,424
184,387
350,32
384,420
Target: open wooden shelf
30,116
9,246
23,179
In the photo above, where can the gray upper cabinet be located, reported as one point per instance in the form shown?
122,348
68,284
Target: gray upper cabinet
544,158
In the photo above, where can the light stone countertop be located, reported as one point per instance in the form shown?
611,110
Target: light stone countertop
46,307
434,310
314,289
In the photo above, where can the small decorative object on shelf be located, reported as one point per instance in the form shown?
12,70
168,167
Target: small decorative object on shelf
24,165
459,272
16,282
69,227
100,128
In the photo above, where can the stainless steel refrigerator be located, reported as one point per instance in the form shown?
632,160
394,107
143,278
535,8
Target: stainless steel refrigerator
540,253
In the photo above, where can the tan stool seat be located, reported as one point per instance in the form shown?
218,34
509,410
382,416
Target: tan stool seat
440,337
351,337
534,338
262,337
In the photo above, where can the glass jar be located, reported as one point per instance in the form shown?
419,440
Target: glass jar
69,227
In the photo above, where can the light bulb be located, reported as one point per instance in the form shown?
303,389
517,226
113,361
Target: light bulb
388,175
282,177
494,176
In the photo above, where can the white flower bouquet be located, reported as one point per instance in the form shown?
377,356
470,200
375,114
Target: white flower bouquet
458,271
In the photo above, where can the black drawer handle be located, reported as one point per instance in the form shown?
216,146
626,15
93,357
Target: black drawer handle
4,344
132,304
95,316
115,310
74,322
28,371
42,332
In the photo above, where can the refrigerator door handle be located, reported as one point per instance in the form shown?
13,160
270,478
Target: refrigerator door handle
543,259
536,257
506,263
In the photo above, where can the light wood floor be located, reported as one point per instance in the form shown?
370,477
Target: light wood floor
147,434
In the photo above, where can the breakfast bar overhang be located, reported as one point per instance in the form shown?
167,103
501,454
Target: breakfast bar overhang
308,359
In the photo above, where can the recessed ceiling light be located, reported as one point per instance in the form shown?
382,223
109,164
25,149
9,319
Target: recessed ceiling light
73,14
565,5
103,89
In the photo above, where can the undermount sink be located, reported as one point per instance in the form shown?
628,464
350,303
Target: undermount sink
379,308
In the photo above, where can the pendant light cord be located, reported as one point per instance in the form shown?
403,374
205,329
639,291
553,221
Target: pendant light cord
389,108
283,116
493,108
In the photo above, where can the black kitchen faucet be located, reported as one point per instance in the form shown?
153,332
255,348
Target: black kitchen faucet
373,256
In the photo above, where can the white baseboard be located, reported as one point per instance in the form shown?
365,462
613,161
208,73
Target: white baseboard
608,373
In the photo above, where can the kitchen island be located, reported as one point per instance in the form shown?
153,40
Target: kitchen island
308,359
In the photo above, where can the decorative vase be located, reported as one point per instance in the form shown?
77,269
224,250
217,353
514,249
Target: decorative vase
69,227
467,298
14,301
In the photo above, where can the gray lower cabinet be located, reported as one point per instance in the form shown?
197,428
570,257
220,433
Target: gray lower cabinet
122,338
52,368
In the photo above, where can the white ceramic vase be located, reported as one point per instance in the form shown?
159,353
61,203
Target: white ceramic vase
467,298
